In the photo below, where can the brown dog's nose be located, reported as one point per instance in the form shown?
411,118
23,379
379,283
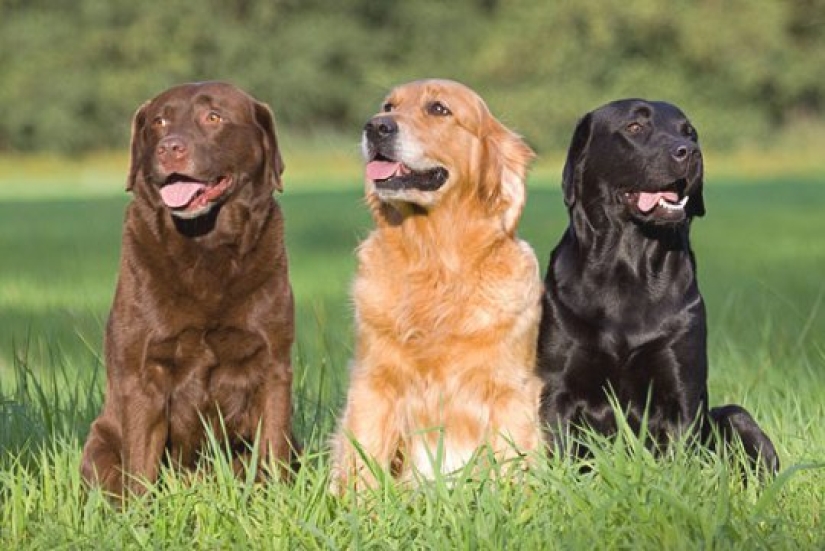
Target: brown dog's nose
171,148
380,128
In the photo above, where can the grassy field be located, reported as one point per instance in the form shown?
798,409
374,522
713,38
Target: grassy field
762,259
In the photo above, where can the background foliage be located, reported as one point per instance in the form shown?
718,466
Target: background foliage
746,72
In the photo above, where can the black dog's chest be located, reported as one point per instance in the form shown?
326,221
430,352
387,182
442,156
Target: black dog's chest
622,318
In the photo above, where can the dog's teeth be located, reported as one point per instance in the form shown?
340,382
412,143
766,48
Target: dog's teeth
671,206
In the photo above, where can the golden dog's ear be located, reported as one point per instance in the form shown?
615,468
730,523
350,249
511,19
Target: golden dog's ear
505,162
576,158
272,154
136,146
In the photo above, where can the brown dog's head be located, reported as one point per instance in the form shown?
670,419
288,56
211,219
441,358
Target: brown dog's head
635,159
197,145
435,142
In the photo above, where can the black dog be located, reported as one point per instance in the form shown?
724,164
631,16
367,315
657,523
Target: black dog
622,308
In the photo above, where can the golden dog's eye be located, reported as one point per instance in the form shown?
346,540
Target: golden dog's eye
438,109
159,122
387,107
213,117
634,127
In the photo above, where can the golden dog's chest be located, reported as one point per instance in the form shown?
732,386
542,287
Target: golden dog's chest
420,309
445,303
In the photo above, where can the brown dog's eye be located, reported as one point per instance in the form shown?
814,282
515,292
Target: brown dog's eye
213,117
159,122
634,127
438,109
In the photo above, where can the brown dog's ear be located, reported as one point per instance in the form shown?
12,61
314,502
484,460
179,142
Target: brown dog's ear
136,146
503,183
576,158
272,154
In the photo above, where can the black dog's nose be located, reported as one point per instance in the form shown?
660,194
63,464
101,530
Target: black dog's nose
682,152
380,127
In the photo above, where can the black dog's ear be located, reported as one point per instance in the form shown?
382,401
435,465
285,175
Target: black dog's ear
272,153
136,146
696,203
576,158
696,180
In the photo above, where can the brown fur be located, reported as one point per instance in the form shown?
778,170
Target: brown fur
202,320
447,301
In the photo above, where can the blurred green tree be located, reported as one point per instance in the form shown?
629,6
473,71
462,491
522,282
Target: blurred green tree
71,73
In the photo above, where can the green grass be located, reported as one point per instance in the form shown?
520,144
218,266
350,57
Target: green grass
762,260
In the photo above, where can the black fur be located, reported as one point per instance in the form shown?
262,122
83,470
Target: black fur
622,311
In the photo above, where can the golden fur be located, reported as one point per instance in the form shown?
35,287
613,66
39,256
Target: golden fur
447,300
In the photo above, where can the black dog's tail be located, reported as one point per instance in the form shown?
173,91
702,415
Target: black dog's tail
734,421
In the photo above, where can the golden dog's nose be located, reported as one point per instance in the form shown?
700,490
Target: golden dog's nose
380,127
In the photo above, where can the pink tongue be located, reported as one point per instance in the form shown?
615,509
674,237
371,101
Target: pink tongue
383,170
180,194
648,201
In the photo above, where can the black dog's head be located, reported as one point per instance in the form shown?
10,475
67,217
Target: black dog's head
637,159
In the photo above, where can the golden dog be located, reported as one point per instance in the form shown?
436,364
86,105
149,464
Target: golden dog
447,298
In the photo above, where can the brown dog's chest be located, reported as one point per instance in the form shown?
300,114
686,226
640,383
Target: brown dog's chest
201,349
205,375
204,319
198,280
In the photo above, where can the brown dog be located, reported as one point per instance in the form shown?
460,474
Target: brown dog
202,321
446,297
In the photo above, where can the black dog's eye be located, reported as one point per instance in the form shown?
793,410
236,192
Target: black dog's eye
689,131
387,107
634,127
438,109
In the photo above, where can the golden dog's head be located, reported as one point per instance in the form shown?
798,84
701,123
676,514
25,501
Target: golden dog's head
435,145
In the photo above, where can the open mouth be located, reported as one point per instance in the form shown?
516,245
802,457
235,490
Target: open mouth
667,205
189,198
391,175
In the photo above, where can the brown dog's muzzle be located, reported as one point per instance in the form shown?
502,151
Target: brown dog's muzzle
172,154
182,190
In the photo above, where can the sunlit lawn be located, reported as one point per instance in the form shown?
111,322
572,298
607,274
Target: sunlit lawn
761,258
